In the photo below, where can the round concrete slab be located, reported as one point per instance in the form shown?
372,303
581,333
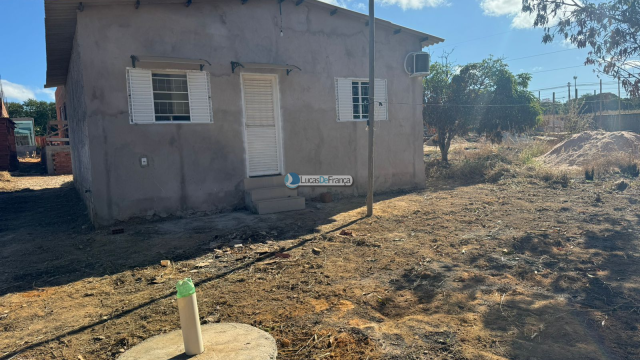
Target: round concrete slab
226,341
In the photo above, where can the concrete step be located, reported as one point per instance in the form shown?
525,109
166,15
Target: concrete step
266,193
271,206
263,182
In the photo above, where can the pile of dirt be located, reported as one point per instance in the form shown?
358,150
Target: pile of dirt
588,146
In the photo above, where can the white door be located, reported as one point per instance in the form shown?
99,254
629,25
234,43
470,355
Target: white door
261,124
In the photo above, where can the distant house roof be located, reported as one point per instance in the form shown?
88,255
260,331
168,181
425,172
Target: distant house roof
3,109
60,27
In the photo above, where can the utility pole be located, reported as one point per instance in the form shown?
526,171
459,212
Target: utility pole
600,99
575,85
553,111
371,121
569,87
538,96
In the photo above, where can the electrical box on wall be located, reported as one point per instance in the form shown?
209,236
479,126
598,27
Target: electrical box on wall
417,64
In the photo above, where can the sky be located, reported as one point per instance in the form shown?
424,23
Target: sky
473,30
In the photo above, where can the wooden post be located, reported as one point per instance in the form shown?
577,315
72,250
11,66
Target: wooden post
553,111
600,100
371,121
619,107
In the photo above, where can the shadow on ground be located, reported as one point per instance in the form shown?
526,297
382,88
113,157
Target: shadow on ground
589,300
46,238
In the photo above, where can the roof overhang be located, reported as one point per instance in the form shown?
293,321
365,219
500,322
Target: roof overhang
61,19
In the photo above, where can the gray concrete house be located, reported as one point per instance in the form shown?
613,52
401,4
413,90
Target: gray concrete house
204,105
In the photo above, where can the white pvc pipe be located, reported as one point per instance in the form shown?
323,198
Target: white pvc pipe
190,323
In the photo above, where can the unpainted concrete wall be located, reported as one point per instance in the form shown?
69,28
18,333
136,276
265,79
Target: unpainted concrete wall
75,98
622,122
202,166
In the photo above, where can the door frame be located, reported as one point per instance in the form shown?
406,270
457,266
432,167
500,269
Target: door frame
278,122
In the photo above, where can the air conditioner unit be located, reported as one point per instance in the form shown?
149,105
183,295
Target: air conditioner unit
417,64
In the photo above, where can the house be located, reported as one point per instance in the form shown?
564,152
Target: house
178,105
8,154
25,136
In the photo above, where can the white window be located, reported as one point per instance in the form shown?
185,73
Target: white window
352,99
165,96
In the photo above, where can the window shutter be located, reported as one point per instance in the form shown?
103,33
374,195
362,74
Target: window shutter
199,97
140,94
344,102
381,112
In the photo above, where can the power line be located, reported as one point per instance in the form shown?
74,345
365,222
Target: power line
478,38
564,68
536,55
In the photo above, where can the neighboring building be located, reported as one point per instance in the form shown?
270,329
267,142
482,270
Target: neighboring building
61,103
8,154
278,88
25,136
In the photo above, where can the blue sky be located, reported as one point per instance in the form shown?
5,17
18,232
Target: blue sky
474,29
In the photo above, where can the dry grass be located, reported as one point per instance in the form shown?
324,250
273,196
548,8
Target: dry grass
552,176
620,163
9,183
5,176
484,163
477,163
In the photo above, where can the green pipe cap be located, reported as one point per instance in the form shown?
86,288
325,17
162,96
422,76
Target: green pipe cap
185,288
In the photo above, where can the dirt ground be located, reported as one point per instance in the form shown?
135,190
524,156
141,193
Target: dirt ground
519,269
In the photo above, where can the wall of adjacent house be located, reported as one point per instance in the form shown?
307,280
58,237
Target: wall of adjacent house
615,122
75,98
198,167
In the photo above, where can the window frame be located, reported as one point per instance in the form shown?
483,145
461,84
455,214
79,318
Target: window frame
351,103
362,100
153,92
169,71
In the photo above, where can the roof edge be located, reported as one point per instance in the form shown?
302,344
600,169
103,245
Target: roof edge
66,10
429,41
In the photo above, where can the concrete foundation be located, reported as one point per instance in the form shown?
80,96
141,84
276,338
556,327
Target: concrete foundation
226,341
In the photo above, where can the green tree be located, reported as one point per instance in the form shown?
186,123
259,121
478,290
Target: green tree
15,109
445,91
608,27
456,98
512,107
549,108
41,112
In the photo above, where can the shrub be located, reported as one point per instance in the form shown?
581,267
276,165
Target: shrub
484,164
576,121
533,150
622,185
623,163
630,169
589,174
552,176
